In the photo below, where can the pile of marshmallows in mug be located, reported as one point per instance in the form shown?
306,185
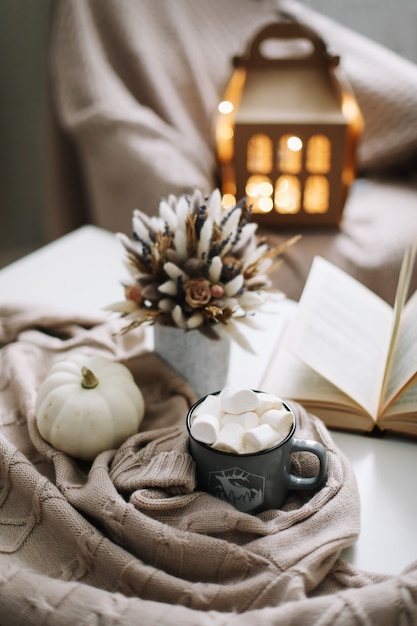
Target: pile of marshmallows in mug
241,421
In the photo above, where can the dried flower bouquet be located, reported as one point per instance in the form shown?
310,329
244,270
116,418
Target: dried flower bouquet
195,266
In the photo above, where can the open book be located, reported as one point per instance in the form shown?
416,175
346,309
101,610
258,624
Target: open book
349,357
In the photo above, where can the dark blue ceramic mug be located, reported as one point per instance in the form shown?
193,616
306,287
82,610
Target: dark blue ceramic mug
256,481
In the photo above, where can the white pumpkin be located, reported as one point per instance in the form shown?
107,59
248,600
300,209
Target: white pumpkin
88,404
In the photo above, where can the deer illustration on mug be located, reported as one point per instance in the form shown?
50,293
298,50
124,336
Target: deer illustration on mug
242,489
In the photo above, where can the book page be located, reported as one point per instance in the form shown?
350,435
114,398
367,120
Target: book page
405,403
400,416
404,361
342,330
291,379
400,299
288,377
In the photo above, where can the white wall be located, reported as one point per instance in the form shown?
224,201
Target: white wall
392,23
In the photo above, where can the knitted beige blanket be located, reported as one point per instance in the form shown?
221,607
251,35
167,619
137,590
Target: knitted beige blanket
129,540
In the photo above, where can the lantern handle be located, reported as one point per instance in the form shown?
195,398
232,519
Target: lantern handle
317,52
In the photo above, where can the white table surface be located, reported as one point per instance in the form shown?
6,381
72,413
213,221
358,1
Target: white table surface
83,272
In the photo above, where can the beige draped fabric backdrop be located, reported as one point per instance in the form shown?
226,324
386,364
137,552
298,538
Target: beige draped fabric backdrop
135,90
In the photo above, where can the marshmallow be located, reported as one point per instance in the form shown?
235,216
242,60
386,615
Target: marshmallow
248,419
261,438
209,406
230,438
229,388
239,400
241,420
205,428
268,401
281,420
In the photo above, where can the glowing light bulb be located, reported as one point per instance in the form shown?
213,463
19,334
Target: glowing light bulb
265,189
228,200
294,143
265,205
225,107
251,189
226,132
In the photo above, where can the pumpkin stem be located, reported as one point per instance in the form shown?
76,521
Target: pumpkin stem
89,380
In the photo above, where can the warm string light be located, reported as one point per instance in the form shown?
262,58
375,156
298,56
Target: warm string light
286,195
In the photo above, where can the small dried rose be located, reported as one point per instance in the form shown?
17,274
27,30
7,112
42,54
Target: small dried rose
132,292
217,291
197,292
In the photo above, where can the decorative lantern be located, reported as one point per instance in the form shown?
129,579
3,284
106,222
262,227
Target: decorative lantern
287,130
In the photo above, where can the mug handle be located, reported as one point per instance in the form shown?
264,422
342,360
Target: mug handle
306,445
